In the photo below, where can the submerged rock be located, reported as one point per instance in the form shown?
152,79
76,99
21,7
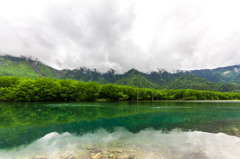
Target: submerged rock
96,156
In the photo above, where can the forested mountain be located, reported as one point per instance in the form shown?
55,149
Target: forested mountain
26,67
230,74
219,79
136,78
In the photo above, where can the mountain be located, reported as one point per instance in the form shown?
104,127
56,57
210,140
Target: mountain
230,74
183,80
136,78
26,67
219,79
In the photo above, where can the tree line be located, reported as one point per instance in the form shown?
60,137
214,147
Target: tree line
45,89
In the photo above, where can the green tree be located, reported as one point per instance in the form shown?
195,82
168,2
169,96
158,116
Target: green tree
92,91
68,90
25,91
47,90
111,92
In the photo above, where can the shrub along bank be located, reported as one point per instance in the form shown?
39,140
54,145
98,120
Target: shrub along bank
45,89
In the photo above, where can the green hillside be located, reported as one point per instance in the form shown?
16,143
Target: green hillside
226,79
135,78
166,80
12,66
230,74
47,71
25,67
197,83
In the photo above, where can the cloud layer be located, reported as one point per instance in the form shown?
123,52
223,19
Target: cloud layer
123,34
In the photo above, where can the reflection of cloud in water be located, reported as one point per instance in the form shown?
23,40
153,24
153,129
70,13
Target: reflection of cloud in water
145,144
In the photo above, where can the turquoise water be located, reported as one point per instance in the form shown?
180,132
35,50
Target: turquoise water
162,128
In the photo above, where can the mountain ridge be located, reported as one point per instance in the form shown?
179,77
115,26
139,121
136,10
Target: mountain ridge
218,79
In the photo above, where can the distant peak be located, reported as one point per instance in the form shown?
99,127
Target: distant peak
133,70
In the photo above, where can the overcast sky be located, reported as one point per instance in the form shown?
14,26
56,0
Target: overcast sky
123,34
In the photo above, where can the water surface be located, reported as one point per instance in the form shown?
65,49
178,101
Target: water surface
143,130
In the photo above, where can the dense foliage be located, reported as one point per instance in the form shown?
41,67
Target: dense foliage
135,78
45,89
229,74
25,67
227,77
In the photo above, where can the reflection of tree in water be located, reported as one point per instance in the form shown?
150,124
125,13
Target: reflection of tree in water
26,122
230,127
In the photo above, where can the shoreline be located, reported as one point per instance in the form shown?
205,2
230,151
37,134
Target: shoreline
141,101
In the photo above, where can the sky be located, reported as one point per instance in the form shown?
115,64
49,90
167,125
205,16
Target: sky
122,34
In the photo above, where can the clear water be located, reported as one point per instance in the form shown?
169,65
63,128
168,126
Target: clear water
146,129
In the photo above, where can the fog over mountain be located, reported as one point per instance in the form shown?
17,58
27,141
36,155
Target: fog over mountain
123,34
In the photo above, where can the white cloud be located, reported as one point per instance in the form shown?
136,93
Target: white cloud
123,34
